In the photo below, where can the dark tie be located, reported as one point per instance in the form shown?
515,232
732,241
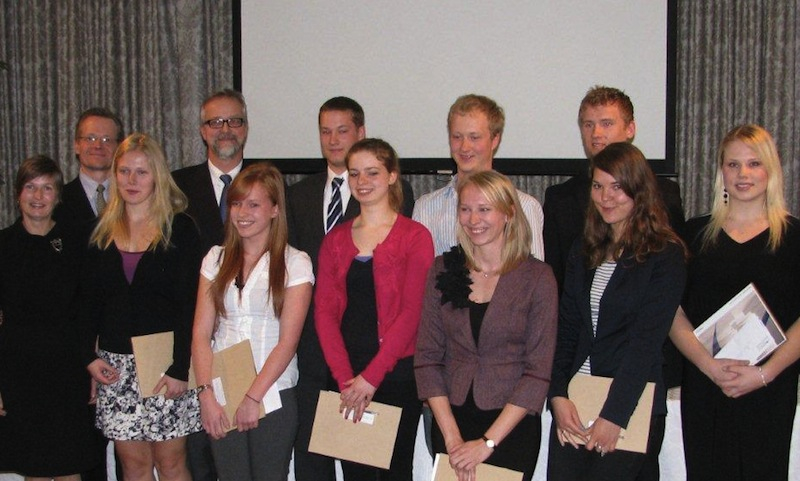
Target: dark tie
99,199
223,199
335,207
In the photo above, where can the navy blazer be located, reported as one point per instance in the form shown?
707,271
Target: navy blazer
636,313
513,359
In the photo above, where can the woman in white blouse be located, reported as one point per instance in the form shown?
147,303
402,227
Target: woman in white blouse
254,287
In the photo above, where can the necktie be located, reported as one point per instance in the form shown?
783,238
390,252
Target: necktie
223,199
99,199
335,207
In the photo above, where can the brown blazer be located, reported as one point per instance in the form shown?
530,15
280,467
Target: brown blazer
513,360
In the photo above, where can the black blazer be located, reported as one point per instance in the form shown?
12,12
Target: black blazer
636,313
565,213
304,214
74,209
195,182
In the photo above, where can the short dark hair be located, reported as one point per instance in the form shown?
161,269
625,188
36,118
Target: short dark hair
602,95
344,104
100,112
37,166
224,94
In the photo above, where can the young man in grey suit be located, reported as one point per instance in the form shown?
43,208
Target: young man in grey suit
341,124
223,126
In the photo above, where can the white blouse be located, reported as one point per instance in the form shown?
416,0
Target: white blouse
251,316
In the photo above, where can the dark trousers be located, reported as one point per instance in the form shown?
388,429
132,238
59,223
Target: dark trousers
566,463
199,457
310,466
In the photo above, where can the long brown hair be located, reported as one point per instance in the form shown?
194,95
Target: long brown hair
267,176
647,229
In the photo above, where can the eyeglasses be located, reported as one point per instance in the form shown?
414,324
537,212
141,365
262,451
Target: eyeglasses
233,122
103,140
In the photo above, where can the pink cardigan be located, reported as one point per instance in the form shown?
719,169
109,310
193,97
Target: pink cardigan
400,266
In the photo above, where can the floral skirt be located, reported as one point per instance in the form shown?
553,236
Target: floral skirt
123,415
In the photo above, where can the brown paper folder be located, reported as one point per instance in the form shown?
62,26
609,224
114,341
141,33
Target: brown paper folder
589,393
232,374
370,441
153,355
483,472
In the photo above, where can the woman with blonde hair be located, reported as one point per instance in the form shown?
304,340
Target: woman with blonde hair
624,279
487,335
737,419
141,278
254,287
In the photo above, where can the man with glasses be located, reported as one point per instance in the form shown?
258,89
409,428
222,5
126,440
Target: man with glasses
223,126
97,134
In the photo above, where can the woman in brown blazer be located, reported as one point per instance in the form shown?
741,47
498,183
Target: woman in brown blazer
487,336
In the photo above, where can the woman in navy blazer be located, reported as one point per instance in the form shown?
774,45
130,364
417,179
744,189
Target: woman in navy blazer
624,281
487,335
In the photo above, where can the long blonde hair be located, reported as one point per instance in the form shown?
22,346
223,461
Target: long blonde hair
760,141
167,199
267,176
517,235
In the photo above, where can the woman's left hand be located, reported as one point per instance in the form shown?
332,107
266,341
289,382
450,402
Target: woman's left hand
603,436
748,379
175,387
246,417
467,456
355,397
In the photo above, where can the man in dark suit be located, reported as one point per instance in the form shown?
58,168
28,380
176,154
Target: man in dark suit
98,132
223,126
341,124
605,116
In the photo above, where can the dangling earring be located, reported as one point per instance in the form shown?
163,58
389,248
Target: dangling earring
725,196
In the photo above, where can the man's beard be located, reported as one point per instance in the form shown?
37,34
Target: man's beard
228,151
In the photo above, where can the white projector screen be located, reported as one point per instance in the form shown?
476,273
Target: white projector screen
406,62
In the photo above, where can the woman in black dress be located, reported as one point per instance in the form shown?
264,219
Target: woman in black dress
45,424
737,419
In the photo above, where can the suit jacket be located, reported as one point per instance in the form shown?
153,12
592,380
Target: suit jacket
74,208
511,363
565,213
195,182
636,313
304,206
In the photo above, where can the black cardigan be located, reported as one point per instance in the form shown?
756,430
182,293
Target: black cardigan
161,297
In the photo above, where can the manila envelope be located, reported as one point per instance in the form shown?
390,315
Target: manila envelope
232,374
153,355
369,442
589,393
483,472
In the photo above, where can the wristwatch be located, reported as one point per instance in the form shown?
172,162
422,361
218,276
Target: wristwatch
489,442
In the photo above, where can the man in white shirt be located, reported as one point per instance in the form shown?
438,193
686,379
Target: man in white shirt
224,127
475,126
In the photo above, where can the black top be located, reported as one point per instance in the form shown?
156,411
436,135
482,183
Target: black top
161,297
360,318
45,387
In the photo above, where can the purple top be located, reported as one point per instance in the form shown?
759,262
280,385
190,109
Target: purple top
129,262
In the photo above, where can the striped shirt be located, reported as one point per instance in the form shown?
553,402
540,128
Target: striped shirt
601,277
437,211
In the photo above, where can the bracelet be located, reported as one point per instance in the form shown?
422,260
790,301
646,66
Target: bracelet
204,387
761,373
252,398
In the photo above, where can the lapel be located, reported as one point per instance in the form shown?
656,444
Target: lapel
508,289
617,278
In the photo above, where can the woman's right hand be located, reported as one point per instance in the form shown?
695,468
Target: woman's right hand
569,427
452,446
103,372
215,421
717,370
